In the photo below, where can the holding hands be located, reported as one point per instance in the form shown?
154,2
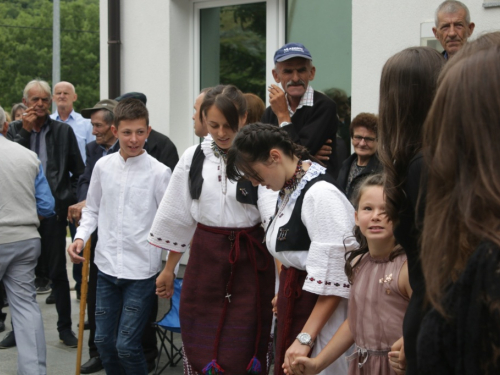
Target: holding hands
165,284
293,364
397,358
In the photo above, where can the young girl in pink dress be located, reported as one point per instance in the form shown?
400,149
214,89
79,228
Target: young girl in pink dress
379,296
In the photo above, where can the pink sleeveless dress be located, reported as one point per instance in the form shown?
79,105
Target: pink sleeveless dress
376,311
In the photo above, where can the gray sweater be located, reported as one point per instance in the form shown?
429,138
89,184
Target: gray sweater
19,168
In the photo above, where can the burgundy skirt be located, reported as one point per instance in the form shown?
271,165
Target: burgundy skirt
225,308
294,308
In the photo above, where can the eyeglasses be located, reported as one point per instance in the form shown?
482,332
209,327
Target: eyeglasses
359,138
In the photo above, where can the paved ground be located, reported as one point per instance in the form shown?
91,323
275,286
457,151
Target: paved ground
60,359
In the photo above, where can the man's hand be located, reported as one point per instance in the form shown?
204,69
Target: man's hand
165,284
277,99
294,351
325,151
74,249
75,212
29,119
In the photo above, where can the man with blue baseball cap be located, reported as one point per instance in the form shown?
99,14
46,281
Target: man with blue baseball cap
309,116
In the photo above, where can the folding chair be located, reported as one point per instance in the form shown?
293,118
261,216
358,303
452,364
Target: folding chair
165,329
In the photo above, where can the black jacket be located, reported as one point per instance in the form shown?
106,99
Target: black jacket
162,149
64,161
372,167
312,126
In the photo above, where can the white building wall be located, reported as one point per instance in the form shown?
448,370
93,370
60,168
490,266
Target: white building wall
383,28
155,60
157,51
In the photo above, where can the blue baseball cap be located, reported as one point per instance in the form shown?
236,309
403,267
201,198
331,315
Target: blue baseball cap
292,50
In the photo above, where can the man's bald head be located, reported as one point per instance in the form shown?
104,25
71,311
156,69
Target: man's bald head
64,96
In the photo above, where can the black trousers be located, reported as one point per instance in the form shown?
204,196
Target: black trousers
149,343
53,255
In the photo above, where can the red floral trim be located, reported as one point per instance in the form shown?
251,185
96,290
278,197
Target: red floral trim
166,241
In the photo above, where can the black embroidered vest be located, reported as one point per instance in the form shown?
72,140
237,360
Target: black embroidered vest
245,191
293,235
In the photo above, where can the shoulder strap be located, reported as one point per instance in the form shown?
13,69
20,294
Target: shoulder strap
195,173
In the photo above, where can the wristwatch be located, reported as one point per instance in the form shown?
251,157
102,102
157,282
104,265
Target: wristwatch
305,339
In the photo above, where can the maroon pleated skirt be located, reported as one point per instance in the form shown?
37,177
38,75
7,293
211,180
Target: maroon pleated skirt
294,308
214,325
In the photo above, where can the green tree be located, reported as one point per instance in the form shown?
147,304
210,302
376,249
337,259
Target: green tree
243,47
26,53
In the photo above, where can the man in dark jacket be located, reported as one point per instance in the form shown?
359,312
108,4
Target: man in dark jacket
56,146
364,161
309,116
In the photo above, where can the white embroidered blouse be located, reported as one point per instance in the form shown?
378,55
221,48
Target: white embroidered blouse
178,214
329,219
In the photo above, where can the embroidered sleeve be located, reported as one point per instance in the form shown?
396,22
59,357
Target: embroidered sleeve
329,218
266,204
174,226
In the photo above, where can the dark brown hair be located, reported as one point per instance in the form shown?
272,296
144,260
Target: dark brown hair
130,109
229,100
255,108
253,143
461,139
366,120
350,256
407,88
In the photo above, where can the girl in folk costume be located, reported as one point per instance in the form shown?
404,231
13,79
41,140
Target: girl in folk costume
380,293
225,309
307,233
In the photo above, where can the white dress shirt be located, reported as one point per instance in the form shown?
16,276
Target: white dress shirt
82,128
122,200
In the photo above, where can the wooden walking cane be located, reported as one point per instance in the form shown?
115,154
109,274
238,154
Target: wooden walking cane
83,304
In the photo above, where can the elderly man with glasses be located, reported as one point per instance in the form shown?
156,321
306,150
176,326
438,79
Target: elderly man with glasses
364,161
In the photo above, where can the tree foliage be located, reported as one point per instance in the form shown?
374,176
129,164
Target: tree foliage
243,47
26,53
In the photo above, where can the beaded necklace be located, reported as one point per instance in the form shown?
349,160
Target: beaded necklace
222,156
291,184
219,152
284,195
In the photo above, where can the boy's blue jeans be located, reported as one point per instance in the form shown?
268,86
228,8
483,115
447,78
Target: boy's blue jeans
122,310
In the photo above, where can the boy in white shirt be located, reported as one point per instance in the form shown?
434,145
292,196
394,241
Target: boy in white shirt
125,191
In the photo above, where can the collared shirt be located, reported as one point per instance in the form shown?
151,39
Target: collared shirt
81,127
306,100
112,149
122,200
37,143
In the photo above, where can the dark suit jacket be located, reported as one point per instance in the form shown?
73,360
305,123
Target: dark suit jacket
94,153
162,149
